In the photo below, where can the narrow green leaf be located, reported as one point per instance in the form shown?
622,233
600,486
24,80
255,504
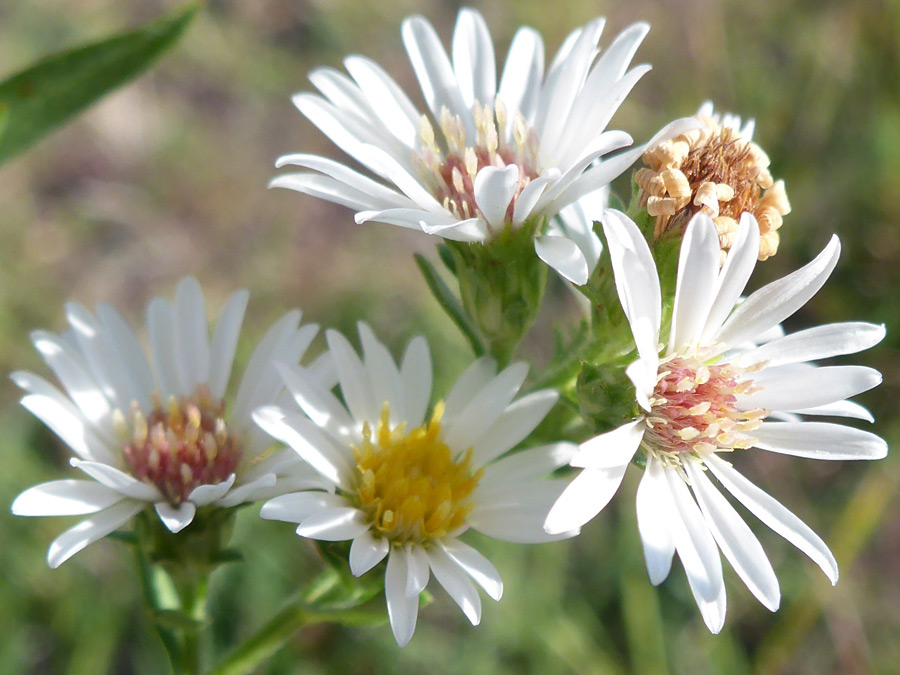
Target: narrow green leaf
44,96
175,619
448,301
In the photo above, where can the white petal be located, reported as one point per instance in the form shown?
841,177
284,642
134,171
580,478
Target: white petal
516,512
494,190
332,190
117,480
254,490
402,609
224,343
819,440
260,366
88,531
65,498
456,583
735,539
611,450
654,504
529,464
383,374
712,610
132,357
334,524
176,519
564,256
694,542
735,272
298,506
55,410
809,387
473,58
636,279
698,268
416,569
522,75
531,195
69,368
386,98
483,409
207,494
308,442
434,72
584,498
366,551
355,385
161,328
772,304
839,409
192,338
775,516
821,342
319,404
475,565
513,426
416,377
474,378
362,189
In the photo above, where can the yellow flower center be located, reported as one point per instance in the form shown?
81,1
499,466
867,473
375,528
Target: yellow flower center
408,482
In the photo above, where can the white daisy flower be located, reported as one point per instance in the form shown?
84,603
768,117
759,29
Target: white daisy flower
491,156
715,389
405,485
159,430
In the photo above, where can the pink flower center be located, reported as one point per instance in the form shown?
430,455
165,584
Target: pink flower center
694,408
449,168
180,445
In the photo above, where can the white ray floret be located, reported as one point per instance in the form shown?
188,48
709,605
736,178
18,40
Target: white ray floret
161,431
724,375
492,154
405,487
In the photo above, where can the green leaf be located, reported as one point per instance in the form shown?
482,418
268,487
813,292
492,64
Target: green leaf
450,304
44,96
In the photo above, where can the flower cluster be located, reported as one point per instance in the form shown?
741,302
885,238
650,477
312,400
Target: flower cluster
353,447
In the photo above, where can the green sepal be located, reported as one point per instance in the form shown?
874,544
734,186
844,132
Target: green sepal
605,395
501,285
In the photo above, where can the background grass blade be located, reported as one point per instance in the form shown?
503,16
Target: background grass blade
44,96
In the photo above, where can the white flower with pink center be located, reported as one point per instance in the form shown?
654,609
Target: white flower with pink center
492,155
161,431
722,385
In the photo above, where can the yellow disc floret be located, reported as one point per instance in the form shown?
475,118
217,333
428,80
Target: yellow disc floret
409,483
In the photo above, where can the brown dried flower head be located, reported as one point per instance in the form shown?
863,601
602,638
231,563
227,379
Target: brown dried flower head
716,170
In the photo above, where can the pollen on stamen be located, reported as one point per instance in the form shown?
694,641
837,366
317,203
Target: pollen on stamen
694,409
713,170
409,483
449,162
180,444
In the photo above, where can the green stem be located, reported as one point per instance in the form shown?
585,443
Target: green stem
193,603
282,627
167,637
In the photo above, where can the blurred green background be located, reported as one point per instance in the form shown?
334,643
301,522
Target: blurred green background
167,177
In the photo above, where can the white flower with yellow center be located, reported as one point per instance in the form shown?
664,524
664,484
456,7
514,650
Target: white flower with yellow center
406,484
716,389
160,431
492,156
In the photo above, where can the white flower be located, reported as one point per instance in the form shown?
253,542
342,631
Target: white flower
406,486
503,155
160,430
720,378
